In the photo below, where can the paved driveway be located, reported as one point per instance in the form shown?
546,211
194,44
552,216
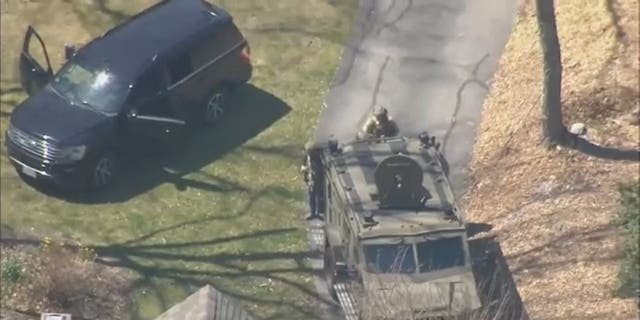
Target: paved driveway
428,62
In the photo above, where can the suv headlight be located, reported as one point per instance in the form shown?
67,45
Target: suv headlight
10,133
75,153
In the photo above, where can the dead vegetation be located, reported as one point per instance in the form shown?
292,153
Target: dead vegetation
50,278
552,209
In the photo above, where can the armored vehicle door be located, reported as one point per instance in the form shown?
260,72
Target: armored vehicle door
33,76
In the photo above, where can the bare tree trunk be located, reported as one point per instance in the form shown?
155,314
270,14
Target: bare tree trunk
554,131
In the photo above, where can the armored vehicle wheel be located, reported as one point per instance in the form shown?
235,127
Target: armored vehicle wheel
329,272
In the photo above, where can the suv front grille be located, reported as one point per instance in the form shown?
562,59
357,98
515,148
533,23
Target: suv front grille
34,145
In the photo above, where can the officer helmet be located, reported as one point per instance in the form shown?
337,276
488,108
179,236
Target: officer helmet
380,112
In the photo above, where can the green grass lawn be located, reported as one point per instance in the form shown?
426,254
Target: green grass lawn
234,220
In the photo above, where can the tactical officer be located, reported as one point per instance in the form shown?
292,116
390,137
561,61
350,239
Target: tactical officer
312,175
379,124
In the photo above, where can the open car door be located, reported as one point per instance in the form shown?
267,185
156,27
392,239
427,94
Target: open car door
33,76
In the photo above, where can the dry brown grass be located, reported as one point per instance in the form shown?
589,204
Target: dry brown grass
55,279
552,209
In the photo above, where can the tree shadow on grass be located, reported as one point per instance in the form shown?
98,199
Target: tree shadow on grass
187,266
288,151
177,264
621,35
9,95
98,17
253,110
10,90
331,36
116,15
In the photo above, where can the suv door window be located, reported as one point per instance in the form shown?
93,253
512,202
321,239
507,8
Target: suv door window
216,45
148,94
179,68
230,36
209,50
150,84
156,108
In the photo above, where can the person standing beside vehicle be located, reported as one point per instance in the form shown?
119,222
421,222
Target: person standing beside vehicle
312,176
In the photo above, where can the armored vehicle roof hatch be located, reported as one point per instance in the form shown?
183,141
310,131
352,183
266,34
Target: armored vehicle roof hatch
395,186
399,182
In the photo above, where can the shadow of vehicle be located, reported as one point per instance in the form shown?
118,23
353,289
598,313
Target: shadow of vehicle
494,281
474,229
252,111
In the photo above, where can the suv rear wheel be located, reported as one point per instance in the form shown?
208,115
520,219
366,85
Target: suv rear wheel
104,171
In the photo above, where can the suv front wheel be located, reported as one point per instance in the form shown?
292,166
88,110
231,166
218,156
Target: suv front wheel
104,171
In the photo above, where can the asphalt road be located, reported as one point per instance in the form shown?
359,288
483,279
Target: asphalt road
428,62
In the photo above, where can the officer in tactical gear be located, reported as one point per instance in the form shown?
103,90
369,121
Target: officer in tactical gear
311,170
379,125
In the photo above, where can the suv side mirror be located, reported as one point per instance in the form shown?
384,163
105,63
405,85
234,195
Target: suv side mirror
69,51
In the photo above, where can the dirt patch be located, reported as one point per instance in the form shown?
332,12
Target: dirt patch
50,278
552,208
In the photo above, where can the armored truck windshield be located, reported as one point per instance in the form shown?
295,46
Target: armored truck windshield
419,257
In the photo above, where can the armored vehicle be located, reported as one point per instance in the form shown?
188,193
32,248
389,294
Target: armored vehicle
394,235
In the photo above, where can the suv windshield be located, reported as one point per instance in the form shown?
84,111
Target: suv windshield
432,255
440,254
390,258
93,87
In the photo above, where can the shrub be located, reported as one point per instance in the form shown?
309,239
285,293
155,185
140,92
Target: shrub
11,270
629,218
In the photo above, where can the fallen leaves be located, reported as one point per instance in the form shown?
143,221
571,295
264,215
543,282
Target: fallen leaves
552,208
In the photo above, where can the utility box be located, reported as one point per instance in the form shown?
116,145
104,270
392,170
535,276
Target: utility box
55,316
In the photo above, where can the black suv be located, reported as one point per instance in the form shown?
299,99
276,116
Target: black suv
166,69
